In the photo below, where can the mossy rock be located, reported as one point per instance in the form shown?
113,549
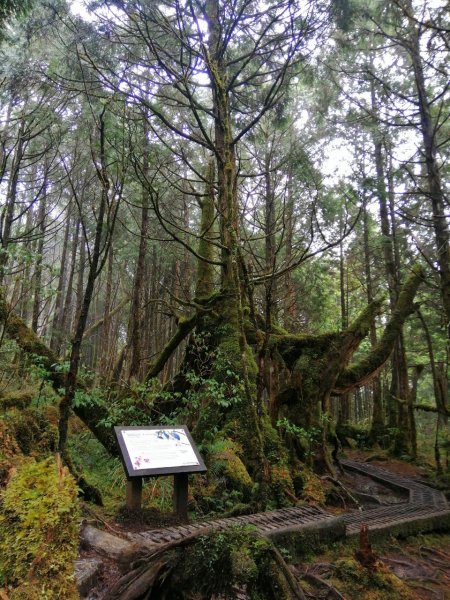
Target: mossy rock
314,489
39,532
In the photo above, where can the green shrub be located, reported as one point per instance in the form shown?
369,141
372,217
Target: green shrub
39,532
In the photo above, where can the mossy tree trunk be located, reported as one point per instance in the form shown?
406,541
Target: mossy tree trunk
230,339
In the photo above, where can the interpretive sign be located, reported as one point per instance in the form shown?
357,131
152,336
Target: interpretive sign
148,451
154,451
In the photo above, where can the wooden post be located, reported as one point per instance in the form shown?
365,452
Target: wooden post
134,493
180,495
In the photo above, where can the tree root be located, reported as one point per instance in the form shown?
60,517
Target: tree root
333,593
346,490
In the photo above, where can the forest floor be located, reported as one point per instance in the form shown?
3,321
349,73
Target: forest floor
413,568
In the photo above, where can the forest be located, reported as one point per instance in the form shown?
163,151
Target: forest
226,214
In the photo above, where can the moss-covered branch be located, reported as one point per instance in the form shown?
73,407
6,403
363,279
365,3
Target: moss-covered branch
185,326
428,408
204,306
31,344
363,371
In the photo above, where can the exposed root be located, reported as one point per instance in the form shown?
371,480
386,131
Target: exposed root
345,489
332,592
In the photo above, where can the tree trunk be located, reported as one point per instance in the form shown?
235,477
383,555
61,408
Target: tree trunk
105,360
95,266
55,339
136,310
344,401
7,214
377,423
428,129
400,417
37,278
290,301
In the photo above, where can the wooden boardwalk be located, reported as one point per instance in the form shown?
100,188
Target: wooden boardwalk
425,509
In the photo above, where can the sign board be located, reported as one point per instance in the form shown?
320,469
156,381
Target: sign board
150,451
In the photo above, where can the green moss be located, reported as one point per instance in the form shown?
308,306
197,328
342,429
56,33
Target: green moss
281,485
10,454
39,532
378,584
17,398
224,460
233,557
274,449
34,430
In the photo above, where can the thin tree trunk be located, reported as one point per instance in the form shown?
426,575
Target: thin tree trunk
55,339
377,425
344,401
25,300
95,266
400,418
79,294
136,311
66,316
37,279
290,303
7,214
105,359
430,142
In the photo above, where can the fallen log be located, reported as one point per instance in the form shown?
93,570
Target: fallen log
175,565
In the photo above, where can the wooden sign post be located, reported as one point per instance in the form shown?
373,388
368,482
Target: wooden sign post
156,451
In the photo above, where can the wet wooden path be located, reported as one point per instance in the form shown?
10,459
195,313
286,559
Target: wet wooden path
424,509
420,509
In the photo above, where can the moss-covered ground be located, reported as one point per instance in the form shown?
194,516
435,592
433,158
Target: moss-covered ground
416,568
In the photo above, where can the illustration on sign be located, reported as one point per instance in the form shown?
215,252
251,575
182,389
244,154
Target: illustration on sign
158,448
